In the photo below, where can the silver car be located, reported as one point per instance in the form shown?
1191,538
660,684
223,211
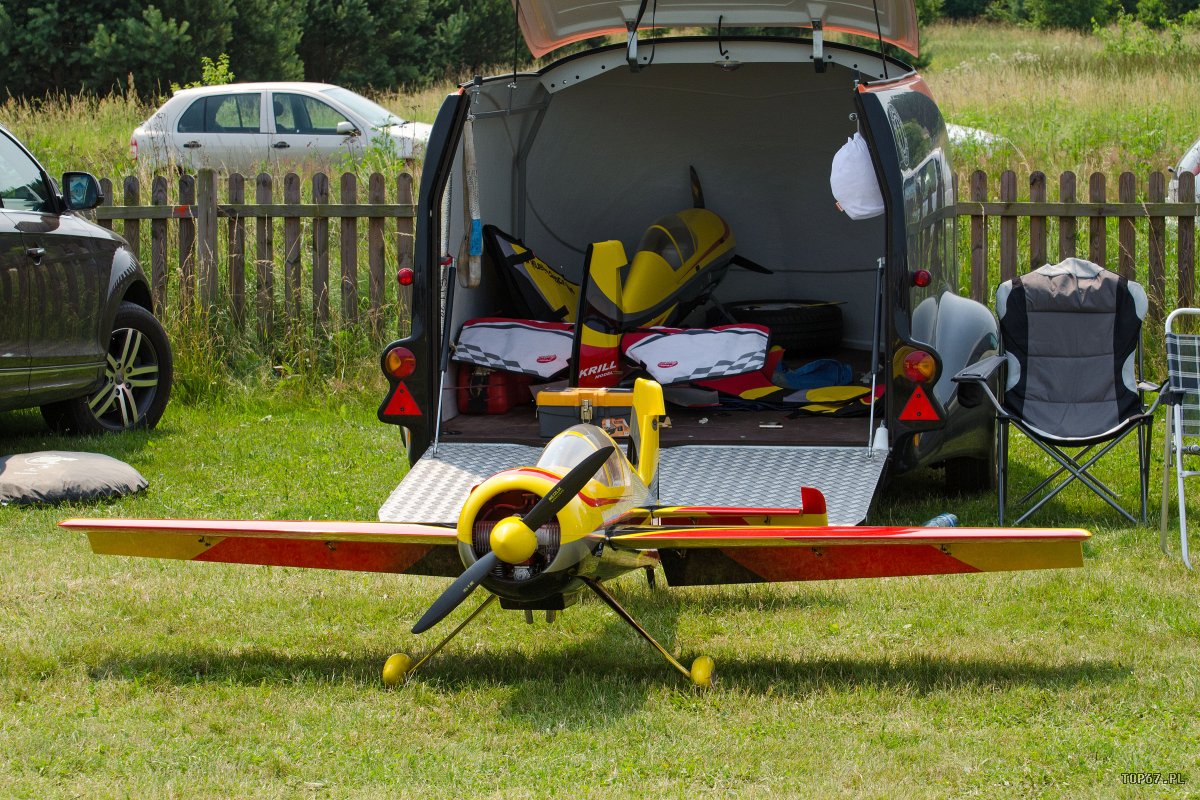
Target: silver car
1190,162
247,126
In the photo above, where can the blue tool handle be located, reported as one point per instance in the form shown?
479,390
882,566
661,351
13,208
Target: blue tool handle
476,237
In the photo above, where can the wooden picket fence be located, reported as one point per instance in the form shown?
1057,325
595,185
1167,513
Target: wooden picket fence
197,208
1029,217
212,268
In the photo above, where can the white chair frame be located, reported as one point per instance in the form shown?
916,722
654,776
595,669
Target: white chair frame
1183,422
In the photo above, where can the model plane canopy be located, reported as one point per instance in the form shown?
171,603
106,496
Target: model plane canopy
551,24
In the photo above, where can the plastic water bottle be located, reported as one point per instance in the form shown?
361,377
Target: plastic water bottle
942,521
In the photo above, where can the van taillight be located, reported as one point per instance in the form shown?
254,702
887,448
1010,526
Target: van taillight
400,362
919,366
133,148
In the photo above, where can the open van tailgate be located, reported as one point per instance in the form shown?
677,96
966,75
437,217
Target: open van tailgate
762,476
434,489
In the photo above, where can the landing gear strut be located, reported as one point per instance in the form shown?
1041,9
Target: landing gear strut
701,673
399,665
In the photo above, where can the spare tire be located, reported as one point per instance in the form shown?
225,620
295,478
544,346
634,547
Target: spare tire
801,327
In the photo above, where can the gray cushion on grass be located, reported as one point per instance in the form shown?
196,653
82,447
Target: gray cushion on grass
53,476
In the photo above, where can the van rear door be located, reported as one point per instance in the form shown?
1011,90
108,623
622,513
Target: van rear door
551,24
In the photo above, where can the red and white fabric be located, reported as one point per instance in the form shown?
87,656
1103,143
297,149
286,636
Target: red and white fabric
527,346
676,355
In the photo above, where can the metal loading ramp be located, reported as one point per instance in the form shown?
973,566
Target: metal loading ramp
435,489
771,477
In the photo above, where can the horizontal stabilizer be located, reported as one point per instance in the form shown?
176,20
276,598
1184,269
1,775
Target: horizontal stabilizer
356,546
755,554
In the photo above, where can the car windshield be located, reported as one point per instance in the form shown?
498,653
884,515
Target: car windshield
377,115
22,187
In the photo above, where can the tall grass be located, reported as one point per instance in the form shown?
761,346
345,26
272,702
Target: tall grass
1062,101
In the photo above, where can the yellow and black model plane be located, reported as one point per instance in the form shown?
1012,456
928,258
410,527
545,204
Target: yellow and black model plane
536,537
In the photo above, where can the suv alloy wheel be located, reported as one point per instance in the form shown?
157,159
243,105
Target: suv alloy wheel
137,380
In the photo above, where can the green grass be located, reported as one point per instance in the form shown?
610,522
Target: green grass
143,678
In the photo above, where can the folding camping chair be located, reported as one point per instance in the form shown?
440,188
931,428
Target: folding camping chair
1183,418
1071,343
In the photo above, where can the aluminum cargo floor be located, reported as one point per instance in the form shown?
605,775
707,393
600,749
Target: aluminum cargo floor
434,490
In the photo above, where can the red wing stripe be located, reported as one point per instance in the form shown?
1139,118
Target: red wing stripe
865,561
666,537
394,557
724,511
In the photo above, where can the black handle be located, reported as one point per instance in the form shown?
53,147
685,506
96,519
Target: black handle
36,254
281,145
191,145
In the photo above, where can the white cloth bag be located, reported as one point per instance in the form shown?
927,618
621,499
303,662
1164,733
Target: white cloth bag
853,182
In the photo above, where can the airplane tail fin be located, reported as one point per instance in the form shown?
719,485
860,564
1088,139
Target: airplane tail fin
649,411
596,349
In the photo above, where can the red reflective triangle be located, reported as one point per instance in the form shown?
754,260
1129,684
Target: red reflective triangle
401,403
918,408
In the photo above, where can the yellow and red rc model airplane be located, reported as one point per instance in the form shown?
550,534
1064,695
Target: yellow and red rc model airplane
536,537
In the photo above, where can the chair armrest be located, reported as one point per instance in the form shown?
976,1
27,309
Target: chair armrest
1165,396
980,371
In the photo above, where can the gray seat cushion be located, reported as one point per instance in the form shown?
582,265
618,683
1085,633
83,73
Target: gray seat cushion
55,476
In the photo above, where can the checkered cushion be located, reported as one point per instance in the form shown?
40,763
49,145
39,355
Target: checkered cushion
542,349
673,355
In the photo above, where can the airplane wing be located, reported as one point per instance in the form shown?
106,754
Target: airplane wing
358,546
732,553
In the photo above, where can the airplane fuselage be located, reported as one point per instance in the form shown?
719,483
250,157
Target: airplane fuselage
570,547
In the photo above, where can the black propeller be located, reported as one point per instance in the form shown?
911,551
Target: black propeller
459,590
539,515
697,192
753,266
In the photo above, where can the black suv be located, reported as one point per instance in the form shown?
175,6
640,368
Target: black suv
77,334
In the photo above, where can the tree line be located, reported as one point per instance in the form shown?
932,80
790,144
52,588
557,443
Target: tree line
1083,15
57,45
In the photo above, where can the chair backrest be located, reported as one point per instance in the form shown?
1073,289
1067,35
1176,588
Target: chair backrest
1183,370
1071,332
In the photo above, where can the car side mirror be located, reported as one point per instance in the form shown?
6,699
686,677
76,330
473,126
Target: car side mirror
346,128
81,191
